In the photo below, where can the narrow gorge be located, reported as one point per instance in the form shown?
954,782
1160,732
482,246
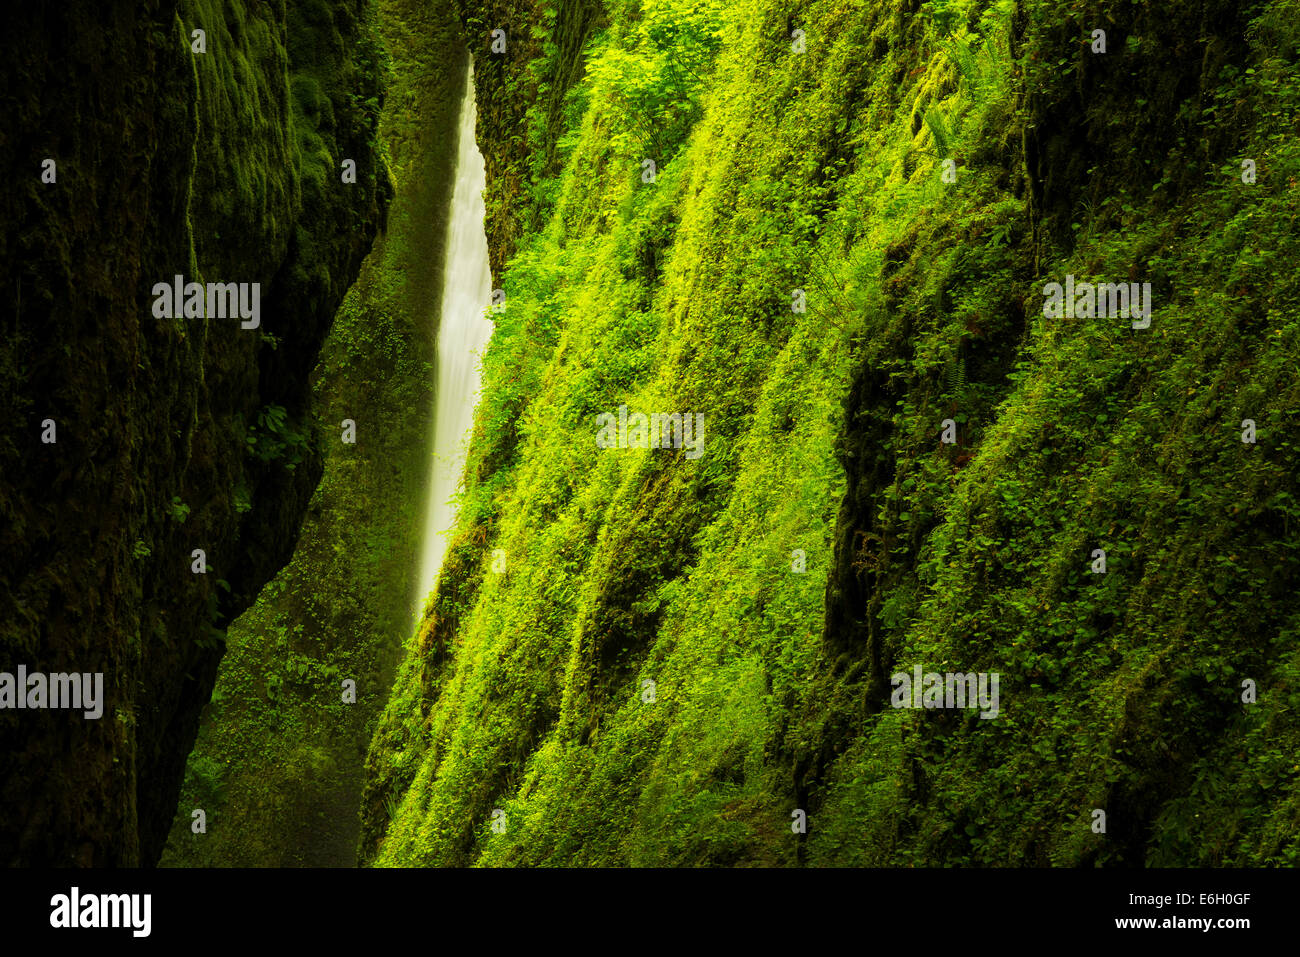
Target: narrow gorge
674,433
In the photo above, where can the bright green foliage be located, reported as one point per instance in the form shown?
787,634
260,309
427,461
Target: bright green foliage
822,171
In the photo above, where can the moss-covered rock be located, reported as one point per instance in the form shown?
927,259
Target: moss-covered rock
277,765
172,434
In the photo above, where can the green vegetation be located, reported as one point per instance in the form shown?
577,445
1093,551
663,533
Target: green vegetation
526,690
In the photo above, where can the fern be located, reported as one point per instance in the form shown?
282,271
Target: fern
954,376
939,130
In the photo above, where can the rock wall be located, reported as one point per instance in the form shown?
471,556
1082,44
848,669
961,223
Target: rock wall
171,434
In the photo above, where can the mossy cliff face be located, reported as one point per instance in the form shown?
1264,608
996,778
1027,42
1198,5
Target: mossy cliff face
1124,690
172,435
639,658
277,766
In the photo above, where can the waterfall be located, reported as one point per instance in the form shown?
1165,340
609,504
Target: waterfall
462,335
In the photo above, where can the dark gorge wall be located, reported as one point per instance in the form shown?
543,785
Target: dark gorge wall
277,765
172,434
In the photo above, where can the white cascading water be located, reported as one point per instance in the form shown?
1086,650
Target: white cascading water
462,336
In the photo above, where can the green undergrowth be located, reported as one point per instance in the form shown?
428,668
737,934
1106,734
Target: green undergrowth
640,658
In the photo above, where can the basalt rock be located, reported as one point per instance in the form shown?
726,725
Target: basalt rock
172,435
